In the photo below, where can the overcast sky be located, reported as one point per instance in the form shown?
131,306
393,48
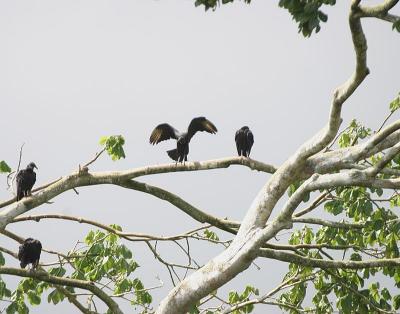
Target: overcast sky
73,71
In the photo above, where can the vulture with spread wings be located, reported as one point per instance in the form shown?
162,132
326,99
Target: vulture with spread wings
165,131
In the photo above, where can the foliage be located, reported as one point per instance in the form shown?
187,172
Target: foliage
235,298
103,259
211,235
371,208
353,133
4,168
396,26
395,104
307,14
114,146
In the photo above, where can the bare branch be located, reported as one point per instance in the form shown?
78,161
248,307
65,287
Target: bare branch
296,279
73,299
126,235
86,165
313,262
327,223
321,198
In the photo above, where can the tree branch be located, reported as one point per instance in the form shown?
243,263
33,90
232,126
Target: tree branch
73,299
238,256
126,235
327,223
44,276
186,207
96,178
314,262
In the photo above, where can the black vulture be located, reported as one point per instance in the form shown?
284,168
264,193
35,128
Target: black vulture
244,141
26,178
165,132
29,253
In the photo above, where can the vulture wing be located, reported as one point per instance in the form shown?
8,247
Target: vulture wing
25,181
201,124
250,142
163,132
239,139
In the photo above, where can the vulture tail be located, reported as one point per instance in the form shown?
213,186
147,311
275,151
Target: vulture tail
20,193
173,154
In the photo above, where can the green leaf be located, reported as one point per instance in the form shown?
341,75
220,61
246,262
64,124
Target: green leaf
55,297
334,207
396,26
396,302
12,308
58,271
2,260
126,253
194,309
4,292
395,104
386,294
233,297
307,14
4,168
211,235
344,304
355,257
33,298
123,286
114,146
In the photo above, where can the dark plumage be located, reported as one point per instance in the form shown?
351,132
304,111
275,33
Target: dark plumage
244,141
165,132
29,253
26,178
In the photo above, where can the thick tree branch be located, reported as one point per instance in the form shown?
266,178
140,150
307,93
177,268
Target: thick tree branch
186,207
380,11
251,235
347,158
96,178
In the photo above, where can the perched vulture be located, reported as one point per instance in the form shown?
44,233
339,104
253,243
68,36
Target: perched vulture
244,141
165,132
29,253
26,178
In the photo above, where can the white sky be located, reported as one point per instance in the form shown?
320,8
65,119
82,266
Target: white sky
73,71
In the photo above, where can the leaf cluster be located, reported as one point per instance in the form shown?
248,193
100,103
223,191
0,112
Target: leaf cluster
114,146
